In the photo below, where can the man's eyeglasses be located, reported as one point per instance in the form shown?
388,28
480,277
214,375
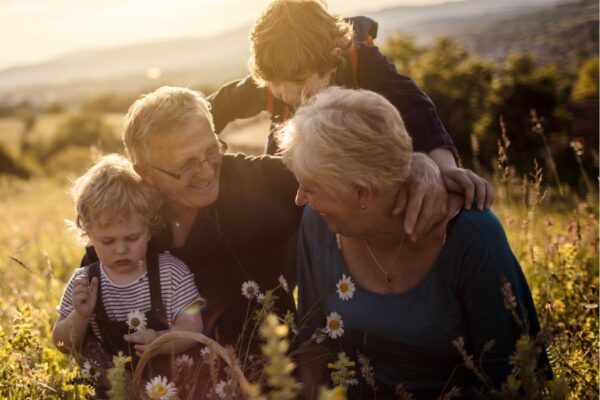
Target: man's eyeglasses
212,156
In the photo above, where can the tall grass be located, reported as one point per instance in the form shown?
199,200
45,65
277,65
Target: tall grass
555,237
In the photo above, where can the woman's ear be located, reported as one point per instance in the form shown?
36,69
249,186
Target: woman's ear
364,196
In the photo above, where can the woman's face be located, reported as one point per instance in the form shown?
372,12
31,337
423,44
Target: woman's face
340,214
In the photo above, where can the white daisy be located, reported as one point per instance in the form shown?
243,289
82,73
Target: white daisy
184,361
205,352
260,298
318,336
136,320
284,284
90,370
250,289
335,325
159,388
226,389
345,287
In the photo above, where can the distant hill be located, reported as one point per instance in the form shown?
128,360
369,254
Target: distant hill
428,22
209,62
213,59
563,34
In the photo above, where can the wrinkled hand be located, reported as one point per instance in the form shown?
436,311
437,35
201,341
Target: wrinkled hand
465,181
424,198
84,295
141,339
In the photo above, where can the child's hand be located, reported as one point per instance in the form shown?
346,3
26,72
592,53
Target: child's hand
141,339
84,295
474,187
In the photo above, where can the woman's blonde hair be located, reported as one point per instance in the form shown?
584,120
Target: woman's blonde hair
162,112
295,38
347,138
111,191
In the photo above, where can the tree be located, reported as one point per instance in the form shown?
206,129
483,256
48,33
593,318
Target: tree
84,130
586,85
456,82
520,87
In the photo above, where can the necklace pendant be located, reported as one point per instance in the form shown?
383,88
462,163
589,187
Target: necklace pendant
388,279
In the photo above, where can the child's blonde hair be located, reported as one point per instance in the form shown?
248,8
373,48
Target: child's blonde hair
296,38
111,191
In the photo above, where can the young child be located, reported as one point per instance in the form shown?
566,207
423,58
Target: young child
131,296
299,48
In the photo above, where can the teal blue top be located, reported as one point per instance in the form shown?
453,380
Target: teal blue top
408,336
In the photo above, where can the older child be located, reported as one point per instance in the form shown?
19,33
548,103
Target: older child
130,296
299,48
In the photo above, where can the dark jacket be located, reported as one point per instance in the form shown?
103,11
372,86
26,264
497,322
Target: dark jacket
244,99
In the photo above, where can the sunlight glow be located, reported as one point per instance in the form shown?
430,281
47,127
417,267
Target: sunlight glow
41,30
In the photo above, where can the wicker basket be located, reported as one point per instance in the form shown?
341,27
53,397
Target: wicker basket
200,338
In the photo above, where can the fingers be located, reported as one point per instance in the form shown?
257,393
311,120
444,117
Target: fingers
133,337
140,349
94,287
468,187
414,204
426,216
401,201
489,198
144,336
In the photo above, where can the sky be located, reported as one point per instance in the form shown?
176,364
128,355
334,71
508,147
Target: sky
36,30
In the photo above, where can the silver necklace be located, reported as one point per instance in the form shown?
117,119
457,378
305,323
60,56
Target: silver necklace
386,274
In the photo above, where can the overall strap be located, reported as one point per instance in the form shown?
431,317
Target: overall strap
101,315
156,302
94,272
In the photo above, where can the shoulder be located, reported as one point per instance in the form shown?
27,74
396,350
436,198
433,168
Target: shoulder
171,264
370,54
82,271
483,226
244,160
242,170
477,246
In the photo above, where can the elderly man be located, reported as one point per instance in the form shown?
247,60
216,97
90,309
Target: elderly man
229,217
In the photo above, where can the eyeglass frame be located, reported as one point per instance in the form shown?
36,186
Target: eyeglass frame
178,176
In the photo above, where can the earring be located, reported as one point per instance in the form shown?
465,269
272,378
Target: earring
362,206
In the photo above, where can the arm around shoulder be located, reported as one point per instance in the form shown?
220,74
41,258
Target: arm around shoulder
235,100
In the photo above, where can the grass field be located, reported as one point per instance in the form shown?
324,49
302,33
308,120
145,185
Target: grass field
555,238
243,135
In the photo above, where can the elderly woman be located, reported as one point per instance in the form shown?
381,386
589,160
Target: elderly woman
398,302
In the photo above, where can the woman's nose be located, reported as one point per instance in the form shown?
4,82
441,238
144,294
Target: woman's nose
301,199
